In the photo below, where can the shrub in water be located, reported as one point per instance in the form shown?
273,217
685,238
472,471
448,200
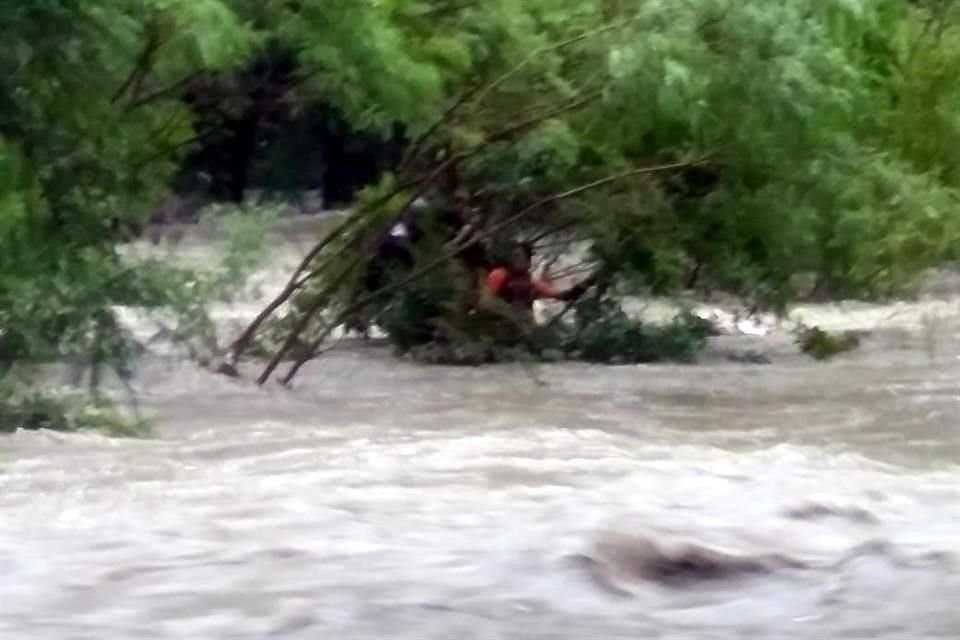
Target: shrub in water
603,332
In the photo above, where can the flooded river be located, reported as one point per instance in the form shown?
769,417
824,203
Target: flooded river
383,500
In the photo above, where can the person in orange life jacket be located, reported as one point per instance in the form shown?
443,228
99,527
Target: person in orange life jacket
517,287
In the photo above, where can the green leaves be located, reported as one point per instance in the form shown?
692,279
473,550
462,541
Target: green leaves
90,120
360,57
796,97
209,29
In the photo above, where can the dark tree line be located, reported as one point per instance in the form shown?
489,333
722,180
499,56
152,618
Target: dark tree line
257,133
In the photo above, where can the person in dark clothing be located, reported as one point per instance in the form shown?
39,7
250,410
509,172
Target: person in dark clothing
394,250
393,253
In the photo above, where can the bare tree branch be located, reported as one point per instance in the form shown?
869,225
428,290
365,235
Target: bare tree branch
165,91
414,150
142,65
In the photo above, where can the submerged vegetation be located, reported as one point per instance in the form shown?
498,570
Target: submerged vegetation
598,332
823,345
24,408
775,151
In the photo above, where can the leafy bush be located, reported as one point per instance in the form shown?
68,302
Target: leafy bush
411,315
603,332
822,345
417,323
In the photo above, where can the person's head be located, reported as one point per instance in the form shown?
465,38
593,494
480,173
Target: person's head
521,258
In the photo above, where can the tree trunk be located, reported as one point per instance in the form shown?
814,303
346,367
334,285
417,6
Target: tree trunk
243,148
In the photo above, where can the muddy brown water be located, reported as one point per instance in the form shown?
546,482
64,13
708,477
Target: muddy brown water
383,500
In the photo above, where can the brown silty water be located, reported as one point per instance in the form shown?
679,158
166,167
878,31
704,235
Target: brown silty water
380,499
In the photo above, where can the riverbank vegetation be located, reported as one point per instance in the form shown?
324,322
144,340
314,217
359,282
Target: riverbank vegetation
775,151
92,131
24,407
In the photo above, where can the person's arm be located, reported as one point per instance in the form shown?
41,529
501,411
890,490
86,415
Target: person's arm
546,290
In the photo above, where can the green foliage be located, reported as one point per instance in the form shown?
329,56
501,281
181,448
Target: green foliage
793,97
603,332
418,321
542,160
411,315
826,133
180,298
91,129
832,130
820,140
